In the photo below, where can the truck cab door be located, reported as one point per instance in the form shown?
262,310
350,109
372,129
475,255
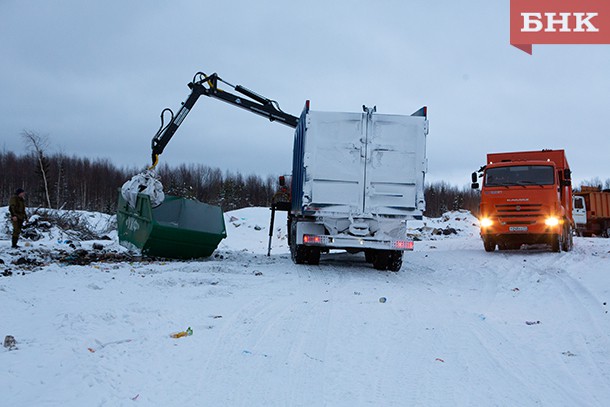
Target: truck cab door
579,211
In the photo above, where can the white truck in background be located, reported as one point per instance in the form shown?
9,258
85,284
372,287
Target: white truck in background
357,179
592,211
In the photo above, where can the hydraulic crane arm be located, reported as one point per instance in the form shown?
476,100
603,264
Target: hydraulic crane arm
208,86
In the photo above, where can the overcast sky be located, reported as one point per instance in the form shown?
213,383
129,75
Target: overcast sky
94,76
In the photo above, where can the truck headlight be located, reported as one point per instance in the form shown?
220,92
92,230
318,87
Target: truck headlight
551,221
486,222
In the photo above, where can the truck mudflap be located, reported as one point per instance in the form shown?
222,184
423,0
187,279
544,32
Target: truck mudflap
353,242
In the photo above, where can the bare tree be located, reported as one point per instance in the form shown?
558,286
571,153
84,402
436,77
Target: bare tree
593,182
38,144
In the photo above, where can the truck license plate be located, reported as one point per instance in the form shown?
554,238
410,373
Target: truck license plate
518,228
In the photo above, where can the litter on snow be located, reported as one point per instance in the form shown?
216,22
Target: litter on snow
182,334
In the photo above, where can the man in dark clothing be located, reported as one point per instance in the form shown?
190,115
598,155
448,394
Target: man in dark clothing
16,207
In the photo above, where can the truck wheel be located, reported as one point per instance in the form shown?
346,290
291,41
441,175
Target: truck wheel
369,255
489,244
299,253
556,243
566,244
381,259
395,262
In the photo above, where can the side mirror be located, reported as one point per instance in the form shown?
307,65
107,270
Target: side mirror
474,178
567,174
566,183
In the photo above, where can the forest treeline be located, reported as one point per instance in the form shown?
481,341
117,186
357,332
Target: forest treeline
92,185
69,182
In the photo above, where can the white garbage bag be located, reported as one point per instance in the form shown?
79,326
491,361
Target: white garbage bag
147,183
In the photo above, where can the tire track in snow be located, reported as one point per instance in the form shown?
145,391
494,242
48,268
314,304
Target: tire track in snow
340,352
586,326
494,283
264,341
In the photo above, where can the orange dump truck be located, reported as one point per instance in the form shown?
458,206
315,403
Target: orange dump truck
592,211
526,198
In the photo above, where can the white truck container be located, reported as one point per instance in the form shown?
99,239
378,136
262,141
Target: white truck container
357,179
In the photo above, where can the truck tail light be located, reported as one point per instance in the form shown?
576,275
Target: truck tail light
315,239
403,244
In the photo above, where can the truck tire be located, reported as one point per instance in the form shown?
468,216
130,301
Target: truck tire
489,244
567,242
556,243
395,262
381,259
369,255
299,253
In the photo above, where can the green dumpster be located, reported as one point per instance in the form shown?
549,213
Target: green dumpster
178,228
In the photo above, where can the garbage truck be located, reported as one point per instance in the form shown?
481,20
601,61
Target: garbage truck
357,178
526,198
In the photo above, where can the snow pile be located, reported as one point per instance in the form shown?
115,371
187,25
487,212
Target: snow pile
451,224
48,225
58,236
248,229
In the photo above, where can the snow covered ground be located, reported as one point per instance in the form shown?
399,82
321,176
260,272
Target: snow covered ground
455,327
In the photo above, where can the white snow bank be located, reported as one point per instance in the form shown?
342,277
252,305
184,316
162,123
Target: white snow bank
53,224
248,229
451,224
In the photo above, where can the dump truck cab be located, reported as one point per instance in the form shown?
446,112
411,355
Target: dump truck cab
526,198
592,211
579,211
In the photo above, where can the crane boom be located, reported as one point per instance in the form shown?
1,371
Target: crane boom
203,84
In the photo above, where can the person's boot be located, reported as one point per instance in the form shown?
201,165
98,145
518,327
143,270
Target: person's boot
15,246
